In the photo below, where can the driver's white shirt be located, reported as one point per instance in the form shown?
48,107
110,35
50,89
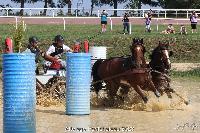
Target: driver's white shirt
52,50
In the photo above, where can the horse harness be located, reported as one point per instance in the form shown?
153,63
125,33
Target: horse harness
128,72
161,65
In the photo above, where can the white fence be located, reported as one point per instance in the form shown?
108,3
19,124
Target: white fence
75,12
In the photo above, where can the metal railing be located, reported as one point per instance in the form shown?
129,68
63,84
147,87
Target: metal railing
75,12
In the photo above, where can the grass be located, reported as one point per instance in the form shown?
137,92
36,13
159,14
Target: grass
194,74
186,48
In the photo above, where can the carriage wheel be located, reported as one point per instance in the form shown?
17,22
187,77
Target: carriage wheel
56,87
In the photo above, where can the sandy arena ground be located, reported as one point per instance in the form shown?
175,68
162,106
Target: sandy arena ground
158,116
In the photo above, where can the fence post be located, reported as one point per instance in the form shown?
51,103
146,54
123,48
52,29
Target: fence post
23,25
6,12
176,13
30,12
111,26
16,22
187,14
165,14
98,14
64,23
130,28
157,24
142,13
53,13
76,12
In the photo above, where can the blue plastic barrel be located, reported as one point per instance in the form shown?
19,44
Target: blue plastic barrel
78,80
19,93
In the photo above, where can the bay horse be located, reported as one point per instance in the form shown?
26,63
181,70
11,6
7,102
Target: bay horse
160,64
119,70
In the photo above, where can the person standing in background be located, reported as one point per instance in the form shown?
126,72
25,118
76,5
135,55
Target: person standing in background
103,21
193,20
148,17
126,23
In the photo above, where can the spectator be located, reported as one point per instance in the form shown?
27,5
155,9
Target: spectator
170,30
148,17
183,30
103,21
125,21
193,20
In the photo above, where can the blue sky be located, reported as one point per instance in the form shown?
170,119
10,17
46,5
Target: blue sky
86,4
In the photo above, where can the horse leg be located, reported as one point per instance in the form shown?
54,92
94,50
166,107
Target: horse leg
124,90
158,83
138,90
168,90
153,88
97,87
111,92
113,89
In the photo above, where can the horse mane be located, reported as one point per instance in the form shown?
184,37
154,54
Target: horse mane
158,49
155,62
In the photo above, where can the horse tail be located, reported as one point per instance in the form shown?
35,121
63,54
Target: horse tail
97,86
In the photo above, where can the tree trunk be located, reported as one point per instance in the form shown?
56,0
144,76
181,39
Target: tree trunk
189,4
69,7
22,6
92,7
45,6
115,7
139,6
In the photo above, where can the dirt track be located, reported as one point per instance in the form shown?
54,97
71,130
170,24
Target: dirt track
84,20
159,118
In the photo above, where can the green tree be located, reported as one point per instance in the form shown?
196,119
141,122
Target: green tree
113,3
93,3
137,4
22,2
166,4
194,4
47,3
173,4
69,3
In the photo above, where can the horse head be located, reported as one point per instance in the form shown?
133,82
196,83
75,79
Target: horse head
137,49
160,57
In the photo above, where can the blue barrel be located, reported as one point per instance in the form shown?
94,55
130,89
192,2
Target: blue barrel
78,80
19,93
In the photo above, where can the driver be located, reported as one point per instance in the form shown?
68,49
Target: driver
55,52
32,47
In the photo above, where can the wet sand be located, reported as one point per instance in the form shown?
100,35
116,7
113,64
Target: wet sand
158,116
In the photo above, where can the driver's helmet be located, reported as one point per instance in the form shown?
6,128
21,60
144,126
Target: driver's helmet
59,38
33,39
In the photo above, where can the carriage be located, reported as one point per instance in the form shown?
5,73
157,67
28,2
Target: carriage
136,74
52,83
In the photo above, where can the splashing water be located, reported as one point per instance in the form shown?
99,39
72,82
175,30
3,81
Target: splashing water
46,100
132,101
